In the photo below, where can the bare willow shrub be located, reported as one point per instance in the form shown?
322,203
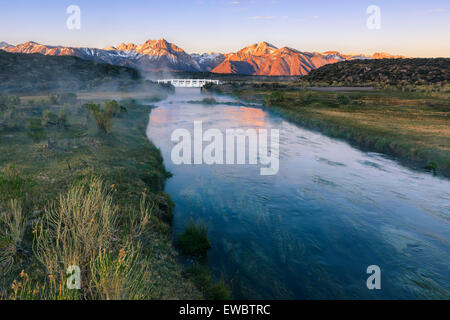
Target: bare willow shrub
102,117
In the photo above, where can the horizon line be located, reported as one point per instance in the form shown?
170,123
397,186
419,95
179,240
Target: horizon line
211,52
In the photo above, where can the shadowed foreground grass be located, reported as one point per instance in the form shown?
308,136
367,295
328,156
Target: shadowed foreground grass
74,195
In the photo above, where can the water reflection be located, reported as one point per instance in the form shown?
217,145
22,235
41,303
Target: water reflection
312,230
247,116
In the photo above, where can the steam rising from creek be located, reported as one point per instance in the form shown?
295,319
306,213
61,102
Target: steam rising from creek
313,229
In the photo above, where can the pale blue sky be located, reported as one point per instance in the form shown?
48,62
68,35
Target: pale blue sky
412,28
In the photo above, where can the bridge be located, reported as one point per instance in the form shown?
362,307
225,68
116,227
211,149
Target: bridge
189,83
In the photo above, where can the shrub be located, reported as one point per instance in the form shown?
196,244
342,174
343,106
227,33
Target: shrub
120,276
343,100
37,132
53,99
112,108
62,118
48,118
83,228
12,230
274,97
102,117
194,241
203,280
8,101
431,166
75,229
209,101
25,288
306,98
13,185
164,207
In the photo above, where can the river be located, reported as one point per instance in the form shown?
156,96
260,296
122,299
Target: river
312,230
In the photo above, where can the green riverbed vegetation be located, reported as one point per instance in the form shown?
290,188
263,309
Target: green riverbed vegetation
73,192
408,122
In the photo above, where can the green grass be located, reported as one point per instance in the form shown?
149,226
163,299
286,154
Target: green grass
411,126
194,242
213,290
72,195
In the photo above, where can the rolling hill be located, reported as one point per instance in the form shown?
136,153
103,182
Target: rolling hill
387,71
36,72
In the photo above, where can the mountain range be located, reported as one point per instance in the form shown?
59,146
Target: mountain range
160,55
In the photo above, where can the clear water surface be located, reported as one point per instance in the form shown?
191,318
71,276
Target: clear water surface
311,231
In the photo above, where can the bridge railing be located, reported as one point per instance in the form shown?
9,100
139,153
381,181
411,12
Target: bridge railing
189,82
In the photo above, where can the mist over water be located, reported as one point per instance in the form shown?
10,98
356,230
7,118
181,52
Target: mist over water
312,230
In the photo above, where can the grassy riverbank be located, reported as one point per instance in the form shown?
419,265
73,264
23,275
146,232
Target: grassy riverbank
413,127
72,195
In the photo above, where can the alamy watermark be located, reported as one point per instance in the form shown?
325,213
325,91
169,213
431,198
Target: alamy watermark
374,20
233,143
374,281
73,278
74,20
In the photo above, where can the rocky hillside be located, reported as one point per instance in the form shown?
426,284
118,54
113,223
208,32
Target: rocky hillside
156,55
385,71
265,59
152,55
36,72
159,55
208,61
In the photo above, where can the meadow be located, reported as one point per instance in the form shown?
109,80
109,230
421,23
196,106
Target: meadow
73,194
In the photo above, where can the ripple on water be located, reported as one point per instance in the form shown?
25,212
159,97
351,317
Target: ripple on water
312,230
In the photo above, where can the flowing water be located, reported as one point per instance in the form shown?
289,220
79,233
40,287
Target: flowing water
312,230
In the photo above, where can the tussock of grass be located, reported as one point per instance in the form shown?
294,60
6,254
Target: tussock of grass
194,242
202,278
124,276
12,232
12,184
207,101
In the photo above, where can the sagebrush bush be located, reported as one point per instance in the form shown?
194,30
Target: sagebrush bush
12,231
48,118
75,229
121,276
82,228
